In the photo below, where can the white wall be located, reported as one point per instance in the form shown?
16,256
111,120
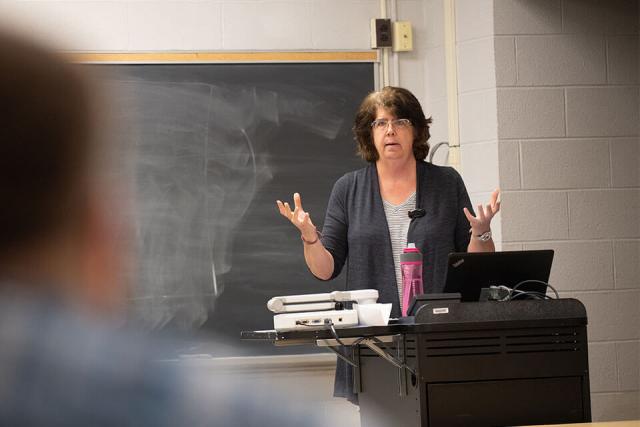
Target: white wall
200,25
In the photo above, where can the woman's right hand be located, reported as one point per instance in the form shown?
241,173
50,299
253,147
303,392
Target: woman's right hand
318,259
298,217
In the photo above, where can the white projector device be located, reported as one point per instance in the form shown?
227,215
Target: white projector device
314,320
318,311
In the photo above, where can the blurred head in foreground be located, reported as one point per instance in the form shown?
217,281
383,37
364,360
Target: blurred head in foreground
59,261
55,234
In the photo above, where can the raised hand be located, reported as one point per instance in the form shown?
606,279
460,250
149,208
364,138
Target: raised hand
298,217
482,221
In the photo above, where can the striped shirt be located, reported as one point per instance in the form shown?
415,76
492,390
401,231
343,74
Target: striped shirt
398,221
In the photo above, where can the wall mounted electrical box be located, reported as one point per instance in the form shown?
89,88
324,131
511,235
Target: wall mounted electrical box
380,33
402,36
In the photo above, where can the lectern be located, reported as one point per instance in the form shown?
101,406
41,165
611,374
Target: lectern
467,364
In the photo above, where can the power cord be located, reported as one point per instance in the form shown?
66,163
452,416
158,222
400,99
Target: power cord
539,282
433,150
329,322
504,293
535,295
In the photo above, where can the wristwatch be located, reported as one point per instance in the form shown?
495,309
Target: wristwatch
484,237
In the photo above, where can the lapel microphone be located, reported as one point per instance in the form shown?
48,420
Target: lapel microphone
417,213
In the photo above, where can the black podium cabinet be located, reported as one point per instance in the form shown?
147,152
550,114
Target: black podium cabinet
467,364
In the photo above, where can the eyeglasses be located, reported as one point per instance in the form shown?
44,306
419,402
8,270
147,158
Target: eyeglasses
383,124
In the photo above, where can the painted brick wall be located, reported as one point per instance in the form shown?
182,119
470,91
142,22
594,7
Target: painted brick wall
478,121
568,116
435,102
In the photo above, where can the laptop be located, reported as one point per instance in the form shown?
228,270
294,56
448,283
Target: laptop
468,273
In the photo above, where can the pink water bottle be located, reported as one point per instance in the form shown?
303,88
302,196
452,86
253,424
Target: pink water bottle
411,267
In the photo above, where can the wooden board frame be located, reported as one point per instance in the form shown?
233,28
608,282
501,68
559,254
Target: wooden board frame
223,57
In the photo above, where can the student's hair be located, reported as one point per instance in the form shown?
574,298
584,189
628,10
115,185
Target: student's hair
45,134
401,103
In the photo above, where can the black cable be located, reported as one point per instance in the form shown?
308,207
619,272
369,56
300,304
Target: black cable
433,150
329,322
339,351
533,281
536,295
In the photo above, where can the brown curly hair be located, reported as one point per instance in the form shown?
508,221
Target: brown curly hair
402,104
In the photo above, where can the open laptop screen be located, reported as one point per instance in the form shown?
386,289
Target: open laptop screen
468,273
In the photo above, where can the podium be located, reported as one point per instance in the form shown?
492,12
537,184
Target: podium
462,364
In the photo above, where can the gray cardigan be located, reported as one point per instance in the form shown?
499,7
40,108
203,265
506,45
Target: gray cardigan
355,232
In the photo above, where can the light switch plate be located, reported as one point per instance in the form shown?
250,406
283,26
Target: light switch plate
402,36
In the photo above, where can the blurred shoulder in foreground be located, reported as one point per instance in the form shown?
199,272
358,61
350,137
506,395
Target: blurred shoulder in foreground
62,359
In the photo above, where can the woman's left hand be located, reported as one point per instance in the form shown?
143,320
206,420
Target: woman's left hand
481,223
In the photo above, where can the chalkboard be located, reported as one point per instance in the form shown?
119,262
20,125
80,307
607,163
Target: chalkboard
211,147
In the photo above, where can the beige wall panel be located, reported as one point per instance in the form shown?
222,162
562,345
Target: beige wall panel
530,113
628,367
509,154
505,54
477,162
437,109
408,10
476,66
534,215
602,214
72,25
436,77
158,25
527,17
512,246
561,60
627,264
269,26
603,372
580,266
615,406
477,116
474,19
602,111
622,59
549,164
625,162
344,30
600,16
412,75
434,22
613,316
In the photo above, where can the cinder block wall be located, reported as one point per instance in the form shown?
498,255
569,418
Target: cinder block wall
568,137
434,76
476,86
477,118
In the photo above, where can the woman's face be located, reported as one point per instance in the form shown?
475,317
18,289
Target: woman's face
392,136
